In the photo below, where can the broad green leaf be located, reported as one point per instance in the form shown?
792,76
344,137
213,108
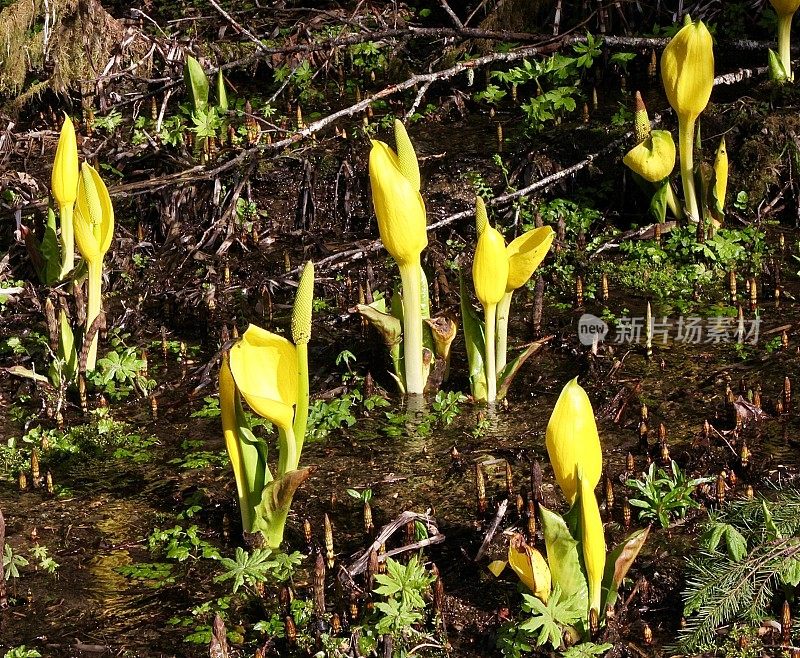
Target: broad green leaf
196,83
618,563
564,558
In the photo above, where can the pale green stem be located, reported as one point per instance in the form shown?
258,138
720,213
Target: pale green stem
686,146
503,310
412,328
93,305
67,240
301,414
288,456
673,204
784,42
491,378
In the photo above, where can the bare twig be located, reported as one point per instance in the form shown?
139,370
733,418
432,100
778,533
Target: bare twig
451,14
238,26
501,512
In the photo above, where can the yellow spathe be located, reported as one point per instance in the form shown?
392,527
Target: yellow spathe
94,216
654,158
490,267
721,175
530,566
687,69
398,205
525,254
593,542
572,440
64,179
264,366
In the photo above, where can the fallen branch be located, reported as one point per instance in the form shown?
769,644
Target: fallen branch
360,565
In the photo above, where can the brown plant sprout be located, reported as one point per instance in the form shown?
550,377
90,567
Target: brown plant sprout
328,530
480,489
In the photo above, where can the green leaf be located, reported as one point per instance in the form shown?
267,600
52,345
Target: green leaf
51,251
66,347
196,83
511,369
564,558
658,204
222,95
618,563
735,543
561,611
276,499
777,72
586,650
475,341
249,568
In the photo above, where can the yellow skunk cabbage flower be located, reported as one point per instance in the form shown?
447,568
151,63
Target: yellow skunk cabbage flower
94,230
94,220
572,440
489,277
64,183
400,210
687,69
395,195
490,267
525,253
654,158
64,179
785,10
264,366
530,567
593,541
720,177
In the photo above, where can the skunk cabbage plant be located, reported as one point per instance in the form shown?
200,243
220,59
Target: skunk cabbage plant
270,373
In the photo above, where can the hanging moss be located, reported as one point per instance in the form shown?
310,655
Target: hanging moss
55,47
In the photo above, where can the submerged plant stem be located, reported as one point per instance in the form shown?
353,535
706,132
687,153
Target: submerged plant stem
686,146
784,42
412,328
93,305
491,378
503,310
67,240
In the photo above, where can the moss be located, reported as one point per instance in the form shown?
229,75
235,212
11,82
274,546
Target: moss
74,46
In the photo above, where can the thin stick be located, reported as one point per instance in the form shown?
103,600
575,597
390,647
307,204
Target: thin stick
501,512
